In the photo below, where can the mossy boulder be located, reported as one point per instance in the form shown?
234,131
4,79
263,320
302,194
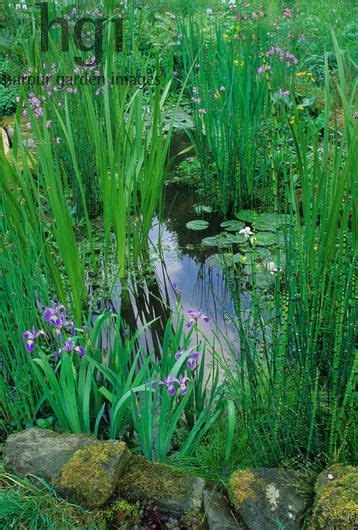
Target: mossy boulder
268,498
336,499
172,491
41,452
90,477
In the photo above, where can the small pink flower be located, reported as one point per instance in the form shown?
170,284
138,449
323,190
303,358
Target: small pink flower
202,111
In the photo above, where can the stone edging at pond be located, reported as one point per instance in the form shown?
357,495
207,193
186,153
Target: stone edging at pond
95,474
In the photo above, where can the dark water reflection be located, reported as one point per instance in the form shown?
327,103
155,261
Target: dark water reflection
179,264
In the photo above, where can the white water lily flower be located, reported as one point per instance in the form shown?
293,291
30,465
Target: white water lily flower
247,232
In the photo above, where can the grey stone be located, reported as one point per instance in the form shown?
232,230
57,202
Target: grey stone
10,132
218,513
268,499
41,452
188,502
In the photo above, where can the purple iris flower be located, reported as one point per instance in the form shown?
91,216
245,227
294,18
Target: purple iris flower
182,381
195,315
54,311
56,315
169,384
191,363
30,337
69,346
178,354
172,390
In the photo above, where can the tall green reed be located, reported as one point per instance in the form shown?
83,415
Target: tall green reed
293,383
232,104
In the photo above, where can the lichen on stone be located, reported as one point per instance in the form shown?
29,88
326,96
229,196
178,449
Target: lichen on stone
241,487
147,480
92,473
272,495
335,506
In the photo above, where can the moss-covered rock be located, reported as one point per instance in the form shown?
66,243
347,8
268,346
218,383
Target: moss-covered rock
90,477
268,499
172,491
336,499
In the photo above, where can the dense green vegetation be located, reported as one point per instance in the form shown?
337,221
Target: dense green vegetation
266,97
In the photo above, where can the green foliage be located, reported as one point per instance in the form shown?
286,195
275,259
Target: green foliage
293,382
36,506
267,156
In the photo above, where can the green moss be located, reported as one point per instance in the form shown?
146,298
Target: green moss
92,473
121,514
147,480
335,505
241,487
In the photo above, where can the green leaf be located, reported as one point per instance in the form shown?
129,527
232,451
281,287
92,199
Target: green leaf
232,225
198,224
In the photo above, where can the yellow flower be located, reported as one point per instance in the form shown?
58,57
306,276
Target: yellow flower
292,120
305,74
300,107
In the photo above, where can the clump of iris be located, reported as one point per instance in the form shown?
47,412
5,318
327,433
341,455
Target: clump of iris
63,328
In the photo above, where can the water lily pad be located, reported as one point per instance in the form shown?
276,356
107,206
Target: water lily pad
237,239
210,241
224,240
244,259
246,215
271,222
202,208
233,225
262,252
198,224
265,239
265,226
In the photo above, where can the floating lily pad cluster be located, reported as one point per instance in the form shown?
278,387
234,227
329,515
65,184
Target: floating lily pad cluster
252,240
